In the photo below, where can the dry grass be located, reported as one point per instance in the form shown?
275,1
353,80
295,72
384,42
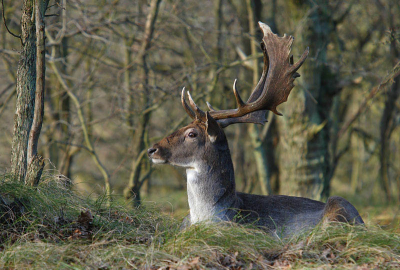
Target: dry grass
52,233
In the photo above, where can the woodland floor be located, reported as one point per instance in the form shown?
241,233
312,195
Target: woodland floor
50,227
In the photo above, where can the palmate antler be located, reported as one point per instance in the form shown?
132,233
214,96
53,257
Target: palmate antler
273,88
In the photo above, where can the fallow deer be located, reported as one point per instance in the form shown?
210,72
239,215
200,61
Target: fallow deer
202,148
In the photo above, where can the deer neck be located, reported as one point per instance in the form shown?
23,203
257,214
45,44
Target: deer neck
211,188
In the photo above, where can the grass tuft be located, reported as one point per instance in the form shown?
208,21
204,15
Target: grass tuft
50,227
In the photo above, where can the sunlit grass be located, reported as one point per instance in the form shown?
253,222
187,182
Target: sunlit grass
126,237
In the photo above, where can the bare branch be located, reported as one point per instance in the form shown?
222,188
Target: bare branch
5,23
6,89
386,82
3,105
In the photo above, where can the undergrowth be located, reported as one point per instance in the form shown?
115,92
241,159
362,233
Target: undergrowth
50,227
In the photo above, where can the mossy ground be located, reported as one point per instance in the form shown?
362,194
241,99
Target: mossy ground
50,227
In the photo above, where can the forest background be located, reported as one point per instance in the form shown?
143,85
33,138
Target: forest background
115,70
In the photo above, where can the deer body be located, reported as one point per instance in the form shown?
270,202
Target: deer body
202,148
212,194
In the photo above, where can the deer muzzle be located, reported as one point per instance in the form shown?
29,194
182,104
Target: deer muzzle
155,154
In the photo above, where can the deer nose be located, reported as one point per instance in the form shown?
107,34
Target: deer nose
151,151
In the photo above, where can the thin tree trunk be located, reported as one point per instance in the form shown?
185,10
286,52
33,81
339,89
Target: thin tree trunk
357,162
134,184
260,156
130,105
385,134
66,160
64,106
213,75
36,168
387,119
135,180
238,158
270,143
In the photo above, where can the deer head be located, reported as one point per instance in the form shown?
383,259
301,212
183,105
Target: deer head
205,136
190,144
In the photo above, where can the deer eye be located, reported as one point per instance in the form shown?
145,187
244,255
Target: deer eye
192,135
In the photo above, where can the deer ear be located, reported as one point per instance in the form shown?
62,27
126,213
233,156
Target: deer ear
213,129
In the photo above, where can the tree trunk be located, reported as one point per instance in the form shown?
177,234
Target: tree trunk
36,163
387,119
135,180
270,143
357,162
134,184
304,159
66,160
254,8
35,170
26,87
30,94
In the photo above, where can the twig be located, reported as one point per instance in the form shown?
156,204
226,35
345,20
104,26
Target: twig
5,23
9,52
6,89
88,35
3,105
75,145
385,83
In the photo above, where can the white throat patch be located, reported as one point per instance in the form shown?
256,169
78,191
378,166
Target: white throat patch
200,209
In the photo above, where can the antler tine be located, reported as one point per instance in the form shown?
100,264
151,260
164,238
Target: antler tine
237,96
198,112
303,58
186,106
209,106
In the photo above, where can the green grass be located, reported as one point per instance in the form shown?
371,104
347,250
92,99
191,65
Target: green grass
48,234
